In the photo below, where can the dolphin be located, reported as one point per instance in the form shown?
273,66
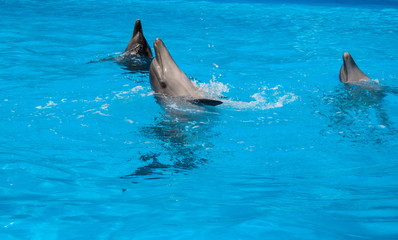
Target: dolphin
350,72
138,55
168,79
137,47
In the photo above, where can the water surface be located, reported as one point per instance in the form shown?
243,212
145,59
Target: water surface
87,152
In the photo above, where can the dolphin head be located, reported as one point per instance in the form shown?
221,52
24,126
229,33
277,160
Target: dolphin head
349,71
138,46
166,77
161,66
163,57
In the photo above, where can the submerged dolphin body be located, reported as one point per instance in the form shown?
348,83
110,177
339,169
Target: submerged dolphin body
350,72
168,79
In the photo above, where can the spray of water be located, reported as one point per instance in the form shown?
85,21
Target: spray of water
267,98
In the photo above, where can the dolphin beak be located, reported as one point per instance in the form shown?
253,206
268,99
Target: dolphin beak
137,27
346,56
348,60
157,45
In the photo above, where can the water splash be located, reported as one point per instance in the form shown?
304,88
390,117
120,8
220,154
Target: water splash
213,89
267,98
261,102
125,94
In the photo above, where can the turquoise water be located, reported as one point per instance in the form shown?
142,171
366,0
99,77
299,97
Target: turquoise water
86,152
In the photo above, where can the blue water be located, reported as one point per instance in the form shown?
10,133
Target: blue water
86,152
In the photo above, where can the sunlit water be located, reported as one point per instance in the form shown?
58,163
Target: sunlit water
87,152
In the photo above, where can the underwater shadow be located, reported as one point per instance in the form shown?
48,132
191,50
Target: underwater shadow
357,112
182,134
130,64
135,65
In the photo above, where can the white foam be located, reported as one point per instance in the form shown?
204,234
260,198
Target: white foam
213,89
260,102
128,120
105,106
267,98
101,113
129,93
49,104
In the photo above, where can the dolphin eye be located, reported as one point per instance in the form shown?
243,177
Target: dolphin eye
163,84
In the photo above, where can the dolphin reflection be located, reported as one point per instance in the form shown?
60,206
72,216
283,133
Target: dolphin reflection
358,113
183,136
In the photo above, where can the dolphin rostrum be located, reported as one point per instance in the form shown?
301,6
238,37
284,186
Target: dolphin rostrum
168,79
350,72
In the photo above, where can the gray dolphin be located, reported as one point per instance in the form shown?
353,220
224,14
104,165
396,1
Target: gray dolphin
137,47
168,79
350,72
138,55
